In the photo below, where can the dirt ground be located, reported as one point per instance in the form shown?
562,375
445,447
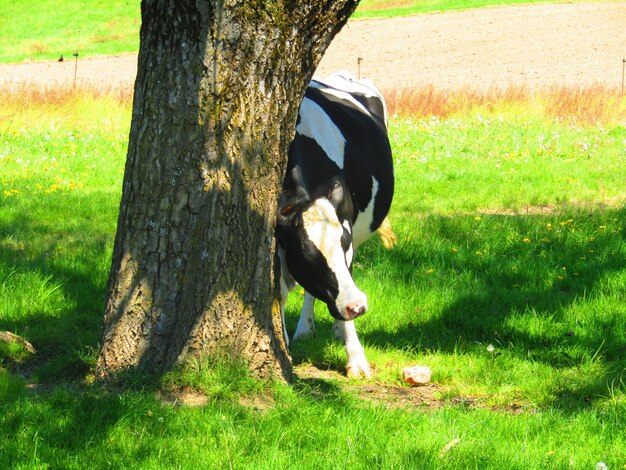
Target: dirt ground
531,45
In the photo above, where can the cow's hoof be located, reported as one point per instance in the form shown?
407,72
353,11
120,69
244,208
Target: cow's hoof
359,368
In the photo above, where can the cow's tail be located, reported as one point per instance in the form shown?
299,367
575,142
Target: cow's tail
386,234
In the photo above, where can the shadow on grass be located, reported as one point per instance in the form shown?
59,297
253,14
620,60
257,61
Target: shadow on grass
546,289
59,426
514,277
513,295
66,263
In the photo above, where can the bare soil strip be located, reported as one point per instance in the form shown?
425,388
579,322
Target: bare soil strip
534,46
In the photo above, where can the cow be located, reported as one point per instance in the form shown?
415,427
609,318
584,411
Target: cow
336,193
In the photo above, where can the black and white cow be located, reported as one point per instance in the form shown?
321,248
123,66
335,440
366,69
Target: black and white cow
337,191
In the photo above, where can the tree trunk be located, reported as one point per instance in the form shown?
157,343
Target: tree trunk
216,96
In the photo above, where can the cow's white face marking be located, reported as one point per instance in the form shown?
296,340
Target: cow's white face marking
361,230
317,125
324,230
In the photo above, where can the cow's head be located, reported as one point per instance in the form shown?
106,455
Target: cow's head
318,250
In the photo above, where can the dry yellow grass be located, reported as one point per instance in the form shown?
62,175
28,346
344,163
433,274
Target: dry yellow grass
584,105
587,105
27,105
60,94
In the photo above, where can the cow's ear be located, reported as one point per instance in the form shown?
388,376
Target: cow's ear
335,194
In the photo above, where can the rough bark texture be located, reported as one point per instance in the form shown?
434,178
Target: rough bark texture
216,96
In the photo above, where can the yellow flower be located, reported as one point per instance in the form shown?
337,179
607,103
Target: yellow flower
477,217
526,240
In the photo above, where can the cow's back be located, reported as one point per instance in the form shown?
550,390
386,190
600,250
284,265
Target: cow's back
342,133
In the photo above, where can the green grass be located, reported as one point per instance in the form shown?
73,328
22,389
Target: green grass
508,280
47,29
55,179
393,8
308,429
500,159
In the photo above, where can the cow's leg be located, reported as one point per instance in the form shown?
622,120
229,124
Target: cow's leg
306,324
357,364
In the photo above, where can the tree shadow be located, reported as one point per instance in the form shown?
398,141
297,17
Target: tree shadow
514,295
59,427
66,328
518,294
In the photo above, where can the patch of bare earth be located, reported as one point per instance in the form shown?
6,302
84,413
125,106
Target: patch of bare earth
182,397
532,46
392,396
426,397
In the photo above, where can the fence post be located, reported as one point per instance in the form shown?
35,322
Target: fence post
623,67
75,66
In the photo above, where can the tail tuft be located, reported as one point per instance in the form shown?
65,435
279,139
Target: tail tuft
387,236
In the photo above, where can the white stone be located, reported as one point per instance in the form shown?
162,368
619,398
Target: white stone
416,375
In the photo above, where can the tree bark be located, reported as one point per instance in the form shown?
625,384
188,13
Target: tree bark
216,97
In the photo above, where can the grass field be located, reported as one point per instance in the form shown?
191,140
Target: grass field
391,8
509,281
47,29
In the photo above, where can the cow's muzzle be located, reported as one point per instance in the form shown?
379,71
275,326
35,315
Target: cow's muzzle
355,309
